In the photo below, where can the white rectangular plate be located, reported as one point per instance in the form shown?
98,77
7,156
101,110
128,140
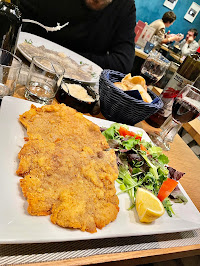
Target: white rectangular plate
17,226
39,41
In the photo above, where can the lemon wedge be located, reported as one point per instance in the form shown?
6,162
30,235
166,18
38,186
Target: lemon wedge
148,206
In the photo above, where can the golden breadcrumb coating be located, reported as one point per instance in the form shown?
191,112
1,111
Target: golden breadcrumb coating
68,169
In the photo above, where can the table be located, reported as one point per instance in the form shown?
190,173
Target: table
181,158
193,128
174,55
142,56
140,53
178,154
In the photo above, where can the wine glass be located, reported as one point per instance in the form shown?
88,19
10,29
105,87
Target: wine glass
186,107
154,67
156,40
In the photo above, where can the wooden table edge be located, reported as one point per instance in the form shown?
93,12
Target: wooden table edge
136,257
140,53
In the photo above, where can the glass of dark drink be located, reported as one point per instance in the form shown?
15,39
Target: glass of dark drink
154,67
186,107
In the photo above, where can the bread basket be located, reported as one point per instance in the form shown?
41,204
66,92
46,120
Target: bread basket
117,106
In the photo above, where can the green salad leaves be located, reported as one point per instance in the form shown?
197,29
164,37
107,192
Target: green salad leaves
141,164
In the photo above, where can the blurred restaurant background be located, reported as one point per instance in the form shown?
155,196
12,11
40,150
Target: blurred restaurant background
146,13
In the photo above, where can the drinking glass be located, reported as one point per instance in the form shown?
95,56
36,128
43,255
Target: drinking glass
148,47
156,40
10,66
44,79
154,67
186,107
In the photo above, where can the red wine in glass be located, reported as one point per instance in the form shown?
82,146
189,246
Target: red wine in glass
186,107
185,110
149,77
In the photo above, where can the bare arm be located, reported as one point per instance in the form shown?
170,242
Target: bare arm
172,38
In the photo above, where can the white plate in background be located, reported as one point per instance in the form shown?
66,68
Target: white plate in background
39,41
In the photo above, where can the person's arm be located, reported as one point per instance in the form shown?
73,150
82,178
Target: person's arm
188,49
172,38
161,33
121,53
166,40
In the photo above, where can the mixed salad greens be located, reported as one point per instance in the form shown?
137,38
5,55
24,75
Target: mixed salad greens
141,164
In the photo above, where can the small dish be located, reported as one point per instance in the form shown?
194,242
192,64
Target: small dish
64,96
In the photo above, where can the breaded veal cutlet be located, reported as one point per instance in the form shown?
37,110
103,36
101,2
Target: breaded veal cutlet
68,170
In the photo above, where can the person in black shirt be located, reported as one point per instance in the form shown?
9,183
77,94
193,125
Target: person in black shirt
100,30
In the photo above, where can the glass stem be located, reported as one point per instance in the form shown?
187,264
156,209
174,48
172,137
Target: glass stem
169,129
